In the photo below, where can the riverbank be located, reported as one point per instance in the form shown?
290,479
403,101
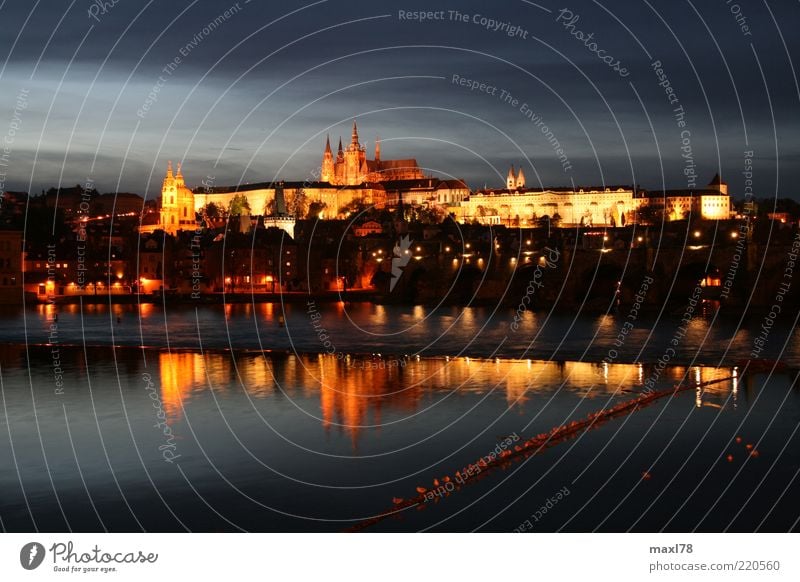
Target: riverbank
215,298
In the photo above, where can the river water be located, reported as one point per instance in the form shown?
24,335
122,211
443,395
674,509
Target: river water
220,418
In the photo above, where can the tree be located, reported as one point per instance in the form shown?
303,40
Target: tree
315,209
212,210
297,205
239,205
357,206
650,214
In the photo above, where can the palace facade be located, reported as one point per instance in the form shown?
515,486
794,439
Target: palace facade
516,204
589,206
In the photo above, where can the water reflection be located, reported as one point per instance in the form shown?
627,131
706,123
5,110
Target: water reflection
355,393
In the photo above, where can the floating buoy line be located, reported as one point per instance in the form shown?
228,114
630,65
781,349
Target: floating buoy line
447,485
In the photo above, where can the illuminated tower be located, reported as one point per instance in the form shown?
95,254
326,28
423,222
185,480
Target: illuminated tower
520,180
354,160
328,173
511,179
280,218
177,203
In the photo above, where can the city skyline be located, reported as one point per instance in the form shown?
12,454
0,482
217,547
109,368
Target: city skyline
243,93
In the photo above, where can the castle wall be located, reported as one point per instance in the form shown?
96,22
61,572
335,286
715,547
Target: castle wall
594,207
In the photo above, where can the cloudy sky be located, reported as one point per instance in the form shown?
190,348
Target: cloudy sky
247,91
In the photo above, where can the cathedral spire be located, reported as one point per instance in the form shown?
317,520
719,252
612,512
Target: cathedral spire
520,179
340,154
511,179
327,171
377,149
354,136
178,173
169,169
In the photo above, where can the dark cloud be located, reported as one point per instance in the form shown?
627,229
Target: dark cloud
253,92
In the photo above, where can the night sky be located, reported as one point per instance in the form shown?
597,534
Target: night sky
252,97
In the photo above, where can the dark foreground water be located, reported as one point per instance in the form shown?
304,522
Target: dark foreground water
201,430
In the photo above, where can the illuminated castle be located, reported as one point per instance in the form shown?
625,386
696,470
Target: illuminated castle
351,166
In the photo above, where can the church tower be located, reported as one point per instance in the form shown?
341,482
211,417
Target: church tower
354,159
177,203
169,203
327,172
511,179
717,184
520,179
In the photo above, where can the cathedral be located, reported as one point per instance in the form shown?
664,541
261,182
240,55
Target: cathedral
351,166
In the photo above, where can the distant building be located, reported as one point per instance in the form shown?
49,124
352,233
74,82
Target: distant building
10,266
518,205
177,205
155,251
367,228
280,218
333,200
710,203
782,217
351,166
426,191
